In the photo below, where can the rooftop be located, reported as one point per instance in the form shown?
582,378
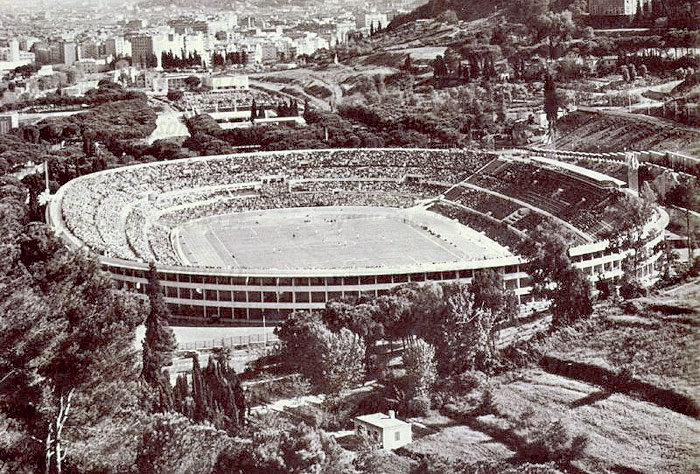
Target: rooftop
381,420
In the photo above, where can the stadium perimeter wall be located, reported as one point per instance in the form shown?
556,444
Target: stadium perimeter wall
238,297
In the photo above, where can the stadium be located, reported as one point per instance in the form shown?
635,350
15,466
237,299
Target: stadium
248,238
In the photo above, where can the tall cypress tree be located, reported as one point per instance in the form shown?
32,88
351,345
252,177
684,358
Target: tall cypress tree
551,102
159,344
200,394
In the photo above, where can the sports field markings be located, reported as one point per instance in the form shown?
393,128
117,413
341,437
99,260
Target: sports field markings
438,244
229,259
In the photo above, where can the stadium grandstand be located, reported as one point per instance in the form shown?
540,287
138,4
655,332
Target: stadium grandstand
243,238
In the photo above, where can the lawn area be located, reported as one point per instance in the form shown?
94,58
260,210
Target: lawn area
623,432
458,442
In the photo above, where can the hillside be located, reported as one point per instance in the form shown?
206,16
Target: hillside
614,131
466,10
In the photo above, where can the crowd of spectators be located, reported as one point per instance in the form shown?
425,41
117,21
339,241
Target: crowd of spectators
492,228
115,213
571,198
485,203
128,212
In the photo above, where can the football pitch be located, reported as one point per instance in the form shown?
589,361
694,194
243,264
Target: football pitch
329,237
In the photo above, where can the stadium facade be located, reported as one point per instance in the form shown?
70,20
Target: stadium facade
230,296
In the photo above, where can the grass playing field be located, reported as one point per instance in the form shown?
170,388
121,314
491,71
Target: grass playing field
329,237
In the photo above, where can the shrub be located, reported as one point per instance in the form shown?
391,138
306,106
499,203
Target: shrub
632,288
555,443
605,288
419,405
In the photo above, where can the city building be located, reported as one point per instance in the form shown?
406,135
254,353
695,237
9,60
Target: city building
136,24
117,46
45,71
386,430
55,54
89,49
142,50
185,25
342,30
88,66
310,43
268,52
374,20
79,89
615,7
12,56
8,122
68,53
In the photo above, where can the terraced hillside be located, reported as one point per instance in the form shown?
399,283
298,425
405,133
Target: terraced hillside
614,131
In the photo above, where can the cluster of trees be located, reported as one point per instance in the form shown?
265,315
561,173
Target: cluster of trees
330,130
288,109
629,73
68,361
630,234
118,120
551,102
474,68
105,92
230,58
554,276
148,61
452,9
183,61
214,395
375,31
256,111
335,347
657,64
333,361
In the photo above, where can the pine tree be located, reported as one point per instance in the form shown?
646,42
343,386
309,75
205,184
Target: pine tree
200,395
639,16
421,373
159,343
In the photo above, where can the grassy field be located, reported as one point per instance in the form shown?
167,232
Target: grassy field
457,442
623,432
324,238
645,340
